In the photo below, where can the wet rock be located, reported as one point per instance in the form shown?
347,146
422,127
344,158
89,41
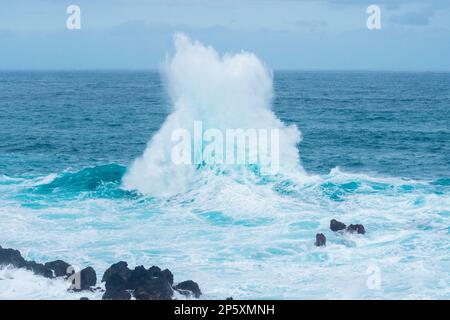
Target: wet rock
336,225
146,284
321,240
39,269
168,275
60,268
138,276
154,289
11,257
115,283
88,279
115,288
154,271
358,228
116,295
229,298
188,288
116,278
120,268
84,298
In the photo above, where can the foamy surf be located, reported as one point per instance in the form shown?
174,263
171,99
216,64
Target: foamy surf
223,92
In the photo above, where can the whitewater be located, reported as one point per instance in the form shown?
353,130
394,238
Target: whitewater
236,230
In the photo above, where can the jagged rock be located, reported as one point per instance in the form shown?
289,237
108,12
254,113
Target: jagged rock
137,276
39,269
59,267
84,298
146,284
321,240
12,257
154,271
120,268
188,288
168,275
336,225
358,228
229,298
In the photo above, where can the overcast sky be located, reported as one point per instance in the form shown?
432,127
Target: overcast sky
286,34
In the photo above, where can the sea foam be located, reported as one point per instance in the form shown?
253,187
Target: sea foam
232,91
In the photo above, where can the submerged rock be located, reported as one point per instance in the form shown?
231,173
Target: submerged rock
188,288
321,240
60,268
358,228
336,225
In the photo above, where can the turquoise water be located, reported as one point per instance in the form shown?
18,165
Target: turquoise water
376,150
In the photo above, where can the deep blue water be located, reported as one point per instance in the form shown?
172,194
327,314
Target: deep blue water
394,124
67,139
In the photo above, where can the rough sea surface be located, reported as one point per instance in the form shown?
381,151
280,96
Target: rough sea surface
376,146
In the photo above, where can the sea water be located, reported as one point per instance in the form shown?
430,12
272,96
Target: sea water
81,178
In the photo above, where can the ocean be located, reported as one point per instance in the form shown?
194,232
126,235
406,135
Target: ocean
374,149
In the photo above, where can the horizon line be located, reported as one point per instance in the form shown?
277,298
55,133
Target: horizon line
153,70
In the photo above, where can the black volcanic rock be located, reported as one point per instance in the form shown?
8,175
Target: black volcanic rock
145,284
154,289
154,271
115,288
336,225
167,275
120,281
358,228
120,268
116,295
12,257
321,240
88,278
116,283
137,277
59,267
39,269
188,288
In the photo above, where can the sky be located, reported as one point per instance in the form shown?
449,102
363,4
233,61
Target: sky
285,34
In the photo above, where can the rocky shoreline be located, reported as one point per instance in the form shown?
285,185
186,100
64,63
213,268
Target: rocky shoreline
121,283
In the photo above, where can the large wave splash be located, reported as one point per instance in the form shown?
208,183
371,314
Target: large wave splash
231,91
